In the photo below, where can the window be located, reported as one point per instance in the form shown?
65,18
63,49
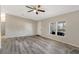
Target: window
57,28
61,28
52,28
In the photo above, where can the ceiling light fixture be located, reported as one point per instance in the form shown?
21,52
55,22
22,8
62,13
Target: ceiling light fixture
34,10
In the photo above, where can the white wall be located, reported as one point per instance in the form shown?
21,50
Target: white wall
72,28
0,32
17,26
39,28
0,26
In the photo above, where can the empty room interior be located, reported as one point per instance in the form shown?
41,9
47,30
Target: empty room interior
39,29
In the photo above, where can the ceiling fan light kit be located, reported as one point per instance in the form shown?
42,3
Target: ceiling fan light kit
35,8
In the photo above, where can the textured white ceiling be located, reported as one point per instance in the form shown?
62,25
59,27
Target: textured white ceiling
51,10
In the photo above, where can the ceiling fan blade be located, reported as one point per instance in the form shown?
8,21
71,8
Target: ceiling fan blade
37,13
30,11
41,10
29,7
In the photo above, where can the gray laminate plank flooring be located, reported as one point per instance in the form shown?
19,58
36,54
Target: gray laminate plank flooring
35,45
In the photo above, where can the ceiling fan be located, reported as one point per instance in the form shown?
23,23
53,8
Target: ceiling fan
35,8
